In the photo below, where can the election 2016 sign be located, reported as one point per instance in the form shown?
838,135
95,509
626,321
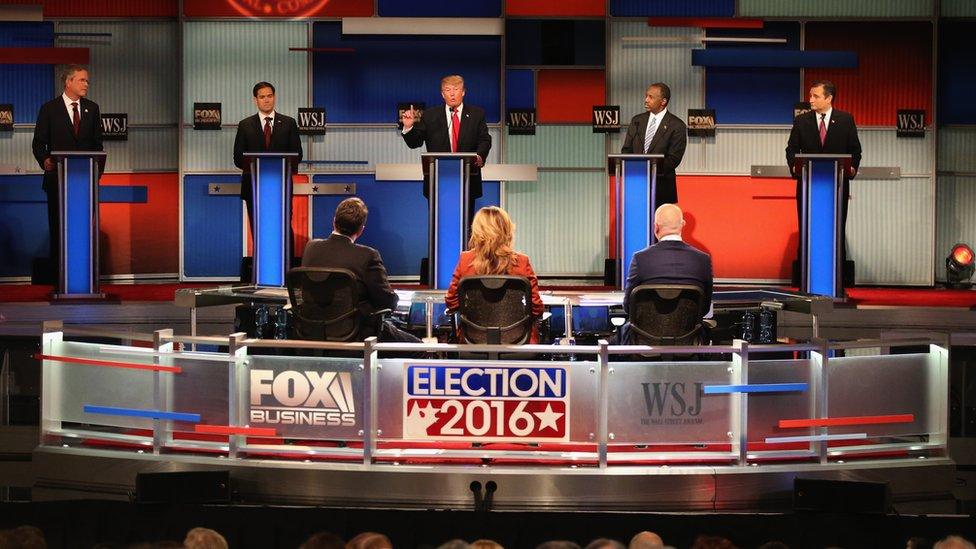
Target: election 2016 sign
486,402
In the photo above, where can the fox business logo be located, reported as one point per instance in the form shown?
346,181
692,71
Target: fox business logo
7,117
206,116
302,398
701,122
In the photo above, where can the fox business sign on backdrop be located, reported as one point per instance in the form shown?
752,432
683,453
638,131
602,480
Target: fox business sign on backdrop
701,122
495,402
317,401
206,116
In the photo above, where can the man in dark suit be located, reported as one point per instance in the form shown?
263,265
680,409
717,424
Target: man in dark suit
657,131
669,261
455,127
70,122
266,131
340,251
824,130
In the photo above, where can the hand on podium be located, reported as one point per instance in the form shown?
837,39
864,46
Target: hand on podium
408,119
48,164
478,161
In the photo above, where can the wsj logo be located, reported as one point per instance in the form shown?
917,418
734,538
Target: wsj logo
311,121
7,117
115,126
701,122
911,123
521,122
606,118
206,116
302,398
672,403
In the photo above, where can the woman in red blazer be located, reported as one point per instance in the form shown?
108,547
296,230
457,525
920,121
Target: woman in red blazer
490,252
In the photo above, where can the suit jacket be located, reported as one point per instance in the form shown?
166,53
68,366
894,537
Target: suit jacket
472,137
54,131
670,139
339,252
670,262
841,137
521,267
250,138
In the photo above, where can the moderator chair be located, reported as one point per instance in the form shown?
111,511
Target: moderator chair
495,309
325,306
667,314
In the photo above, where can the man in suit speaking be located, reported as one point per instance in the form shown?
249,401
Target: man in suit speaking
455,127
657,131
825,130
69,122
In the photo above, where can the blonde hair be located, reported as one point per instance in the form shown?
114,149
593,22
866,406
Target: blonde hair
452,80
492,232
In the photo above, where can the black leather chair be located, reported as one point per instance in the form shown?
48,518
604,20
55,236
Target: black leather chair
325,306
495,309
667,314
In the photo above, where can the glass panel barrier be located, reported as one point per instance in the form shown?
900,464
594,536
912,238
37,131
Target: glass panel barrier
765,410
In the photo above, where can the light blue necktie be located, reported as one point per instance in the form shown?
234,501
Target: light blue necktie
649,134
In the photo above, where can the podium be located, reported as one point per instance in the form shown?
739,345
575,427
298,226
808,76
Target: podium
632,199
447,176
271,188
822,183
78,173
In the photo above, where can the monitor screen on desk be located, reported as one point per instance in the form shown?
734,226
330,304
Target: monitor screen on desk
418,315
590,319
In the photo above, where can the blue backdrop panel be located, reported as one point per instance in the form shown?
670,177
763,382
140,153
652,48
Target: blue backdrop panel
439,8
397,223
672,8
772,92
366,85
212,228
34,84
519,89
555,42
23,223
746,57
957,72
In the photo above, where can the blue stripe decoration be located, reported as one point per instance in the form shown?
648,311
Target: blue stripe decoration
685,8
134,194
753,57
757,388
135,412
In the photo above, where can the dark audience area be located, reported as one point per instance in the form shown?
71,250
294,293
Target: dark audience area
122,525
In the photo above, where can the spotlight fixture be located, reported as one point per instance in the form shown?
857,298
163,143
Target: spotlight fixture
960,266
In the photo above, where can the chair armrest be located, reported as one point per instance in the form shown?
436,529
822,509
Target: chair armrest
709,323
381,312
545,316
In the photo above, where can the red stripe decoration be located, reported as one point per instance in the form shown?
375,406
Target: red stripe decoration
851,420
110,364
44,56
705,22
230,430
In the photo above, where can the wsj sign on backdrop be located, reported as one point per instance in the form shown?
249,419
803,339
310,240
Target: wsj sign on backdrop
911,123
606,118
302,401
486,403
311,121
115,126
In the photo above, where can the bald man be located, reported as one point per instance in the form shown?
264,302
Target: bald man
670,260
646,540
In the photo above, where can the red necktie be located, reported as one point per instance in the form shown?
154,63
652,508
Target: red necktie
455,128
267,132
823,130
75,119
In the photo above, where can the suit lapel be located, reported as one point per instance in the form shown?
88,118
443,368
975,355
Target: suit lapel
66,117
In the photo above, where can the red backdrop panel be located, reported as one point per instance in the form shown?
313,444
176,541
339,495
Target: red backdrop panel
568,95
271,8
747,225
573,8
104,8
141,238
894,68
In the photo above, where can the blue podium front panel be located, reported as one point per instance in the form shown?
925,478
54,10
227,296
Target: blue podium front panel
822,216
636,207
449,221
78,203
272,204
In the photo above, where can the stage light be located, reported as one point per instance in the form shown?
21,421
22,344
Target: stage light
960,266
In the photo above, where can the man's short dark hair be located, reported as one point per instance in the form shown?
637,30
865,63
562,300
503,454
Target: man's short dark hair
350,216
829,88
665,90
260,86
70,70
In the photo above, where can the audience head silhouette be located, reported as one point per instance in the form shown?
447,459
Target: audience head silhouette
668,220
492,232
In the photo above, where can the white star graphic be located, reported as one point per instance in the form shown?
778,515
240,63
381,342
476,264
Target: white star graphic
547,419
428,411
